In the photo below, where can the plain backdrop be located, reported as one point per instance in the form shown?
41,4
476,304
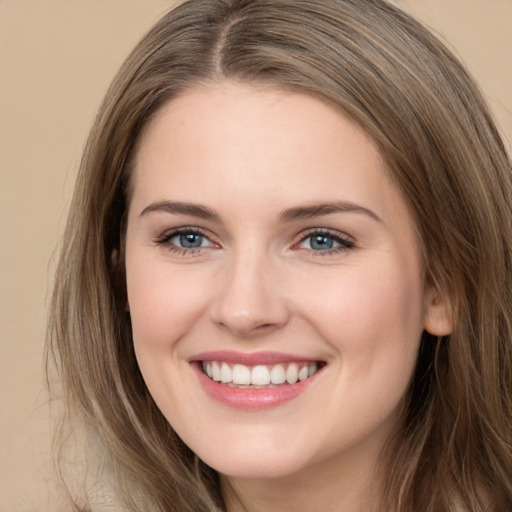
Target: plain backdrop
56,60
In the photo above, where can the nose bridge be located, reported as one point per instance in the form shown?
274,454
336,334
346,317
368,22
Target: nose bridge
250,300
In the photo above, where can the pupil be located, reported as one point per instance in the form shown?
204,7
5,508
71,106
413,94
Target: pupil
322,242
190,240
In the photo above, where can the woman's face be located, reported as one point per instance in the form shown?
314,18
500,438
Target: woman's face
274,281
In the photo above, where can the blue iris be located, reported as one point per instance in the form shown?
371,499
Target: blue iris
191,240
321,242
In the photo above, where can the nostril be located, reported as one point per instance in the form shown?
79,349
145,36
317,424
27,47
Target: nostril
264,327
247,325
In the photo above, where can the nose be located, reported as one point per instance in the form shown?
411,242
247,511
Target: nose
251,301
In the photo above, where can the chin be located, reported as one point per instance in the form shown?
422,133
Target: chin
258,467
255,460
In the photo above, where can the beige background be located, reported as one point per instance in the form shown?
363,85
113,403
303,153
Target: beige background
56,60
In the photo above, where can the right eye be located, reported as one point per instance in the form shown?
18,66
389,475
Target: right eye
189,240
185,240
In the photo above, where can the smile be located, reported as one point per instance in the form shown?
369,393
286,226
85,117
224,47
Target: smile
260,375
255,381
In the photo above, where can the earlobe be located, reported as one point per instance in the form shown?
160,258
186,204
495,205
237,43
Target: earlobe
438,314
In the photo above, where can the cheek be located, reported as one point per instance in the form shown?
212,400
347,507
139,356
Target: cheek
375,324
374,318
164,305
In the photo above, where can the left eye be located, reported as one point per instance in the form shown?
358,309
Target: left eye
322,242
189,240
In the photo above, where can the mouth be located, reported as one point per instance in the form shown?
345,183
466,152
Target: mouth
255,381
259,376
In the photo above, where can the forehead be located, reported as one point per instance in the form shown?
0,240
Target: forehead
239,130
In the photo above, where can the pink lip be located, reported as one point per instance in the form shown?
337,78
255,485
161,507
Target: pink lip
246,398
249,359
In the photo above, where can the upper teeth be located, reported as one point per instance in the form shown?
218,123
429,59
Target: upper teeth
260,375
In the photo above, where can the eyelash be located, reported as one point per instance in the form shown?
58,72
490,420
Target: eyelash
164,240
344,242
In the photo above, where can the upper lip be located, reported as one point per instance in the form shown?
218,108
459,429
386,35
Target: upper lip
250,358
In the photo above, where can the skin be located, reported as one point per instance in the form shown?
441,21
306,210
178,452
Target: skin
258,284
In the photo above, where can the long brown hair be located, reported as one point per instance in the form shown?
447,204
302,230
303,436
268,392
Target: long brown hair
453,448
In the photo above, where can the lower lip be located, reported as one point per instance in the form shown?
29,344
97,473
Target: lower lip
252,399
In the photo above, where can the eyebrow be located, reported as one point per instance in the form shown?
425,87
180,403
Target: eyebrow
194,210
320,209
288,215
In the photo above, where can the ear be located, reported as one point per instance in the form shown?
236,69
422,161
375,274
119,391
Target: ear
118,277
114,260
438,313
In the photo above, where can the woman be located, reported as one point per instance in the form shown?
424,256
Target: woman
286,278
